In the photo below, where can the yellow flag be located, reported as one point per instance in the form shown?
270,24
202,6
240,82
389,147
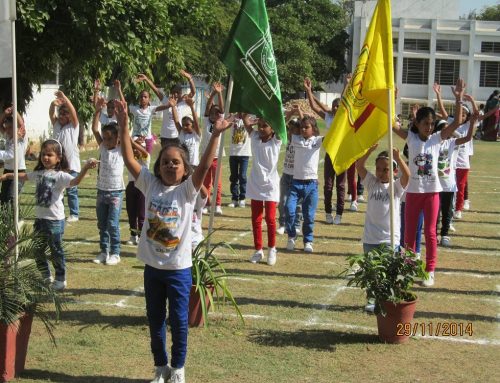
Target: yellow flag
361,119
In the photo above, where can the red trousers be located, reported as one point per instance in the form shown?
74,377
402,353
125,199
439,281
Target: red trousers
462,175
351,182
209,181
257,210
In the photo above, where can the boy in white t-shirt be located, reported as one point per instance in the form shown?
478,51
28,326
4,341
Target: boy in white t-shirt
240,152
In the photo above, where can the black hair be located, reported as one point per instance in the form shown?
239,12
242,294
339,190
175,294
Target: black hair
439,125
186,118
176,88
422,113
312,121
57,148
111,127
406,151
385,155
184,152
493,95
293,123
8,121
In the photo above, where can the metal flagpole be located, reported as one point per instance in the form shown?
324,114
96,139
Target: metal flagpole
391,159
215,183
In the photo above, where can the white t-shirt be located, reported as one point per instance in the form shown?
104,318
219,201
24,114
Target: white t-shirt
168,128
307,155
166,234
110,175
50,185
196,223
289,157
68,137
240,142
465,150
328,120
142,120
423,163
7,155
377,219
104,119
207,135
192,141
446,165
264,181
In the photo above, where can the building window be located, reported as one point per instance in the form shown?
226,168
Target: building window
449,107
395,42
417,45
490,47
489,76
447,71
415,71
448,45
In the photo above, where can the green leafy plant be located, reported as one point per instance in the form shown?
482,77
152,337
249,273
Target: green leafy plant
386,275
23,289
211,278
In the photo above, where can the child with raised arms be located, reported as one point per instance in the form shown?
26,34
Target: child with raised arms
189,130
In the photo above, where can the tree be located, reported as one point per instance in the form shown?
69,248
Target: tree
491,13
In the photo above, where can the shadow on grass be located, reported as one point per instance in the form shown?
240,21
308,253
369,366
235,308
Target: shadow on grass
488,237
126,293
319,340
462,292
457,316
87,318
294,304
50,376
482,272
298,250
238,272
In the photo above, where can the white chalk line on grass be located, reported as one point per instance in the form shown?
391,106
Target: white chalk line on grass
123,302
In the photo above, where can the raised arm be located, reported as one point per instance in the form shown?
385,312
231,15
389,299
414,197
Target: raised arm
458,92
143,77
192,86
95,121
405,171
396,128
118,86
90,164
310,97
175,115
131,163
248,123
52,110
97,88
218,87
361,163
437,89
139,148
196,122
468,137
73,117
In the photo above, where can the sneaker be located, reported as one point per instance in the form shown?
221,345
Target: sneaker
349,198
361,198
59,285
218,210
232,204
280,230
337,219
134,240
457,214
430,280
204,210
445,241
162,374
354,206
418,256
308,247
49,280
257,256
452,228
353,270
329,218
370,308
242,203
271,256
113,260
72,218
298,230
466,204
177,375
290,245
101,258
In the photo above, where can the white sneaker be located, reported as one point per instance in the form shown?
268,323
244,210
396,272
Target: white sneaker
133,240
162,374
72,218
329,218
271,256
337,219
457,214
354,206
177,375
232,204
353,270
298,230
113,260
361,198
466,204
308,247
290,245
452,228
59,285
430,280
218,210
257,256
349,198
370,308
242,203
280,230
204,210
101,258
445,241
418,256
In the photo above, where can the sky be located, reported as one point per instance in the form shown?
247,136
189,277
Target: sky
468,5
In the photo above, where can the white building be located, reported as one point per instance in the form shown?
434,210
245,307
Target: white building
435,47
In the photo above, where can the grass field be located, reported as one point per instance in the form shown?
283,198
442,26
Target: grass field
301,321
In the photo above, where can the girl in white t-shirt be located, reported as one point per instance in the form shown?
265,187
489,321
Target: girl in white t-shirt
424,186
305,182
166,241
263,186
189,130
52,177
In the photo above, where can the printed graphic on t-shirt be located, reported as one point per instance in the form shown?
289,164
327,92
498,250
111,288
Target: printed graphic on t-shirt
424,164
44,191
239,136
443,164
379,196
163,219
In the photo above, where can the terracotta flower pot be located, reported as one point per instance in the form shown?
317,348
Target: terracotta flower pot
195,318
13,347
397,315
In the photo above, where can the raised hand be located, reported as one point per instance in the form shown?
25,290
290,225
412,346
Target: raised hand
117,84
185,74
468,97
97,84
100,102
121,113
459,89
395,154
437,88
172,101
307,83
189,101
222,124
218,87
141,77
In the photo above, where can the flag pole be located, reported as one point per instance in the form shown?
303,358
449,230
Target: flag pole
391,159
215,183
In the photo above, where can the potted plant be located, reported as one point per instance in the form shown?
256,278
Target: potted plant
23,293
210,280
388,277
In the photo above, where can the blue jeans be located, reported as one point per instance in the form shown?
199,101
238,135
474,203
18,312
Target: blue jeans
72,195
108,209
238,166
53,232
420,224
285,184
174,285
307,190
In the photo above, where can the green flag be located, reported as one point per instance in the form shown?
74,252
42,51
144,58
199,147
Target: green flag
249,56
